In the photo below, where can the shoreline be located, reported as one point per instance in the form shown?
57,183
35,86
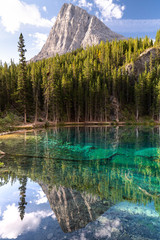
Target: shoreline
43,125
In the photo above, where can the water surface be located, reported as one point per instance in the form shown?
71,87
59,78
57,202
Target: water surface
81,183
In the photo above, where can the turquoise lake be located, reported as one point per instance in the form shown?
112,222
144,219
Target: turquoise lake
80,183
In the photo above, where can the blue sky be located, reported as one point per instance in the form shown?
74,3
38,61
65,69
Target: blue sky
34,18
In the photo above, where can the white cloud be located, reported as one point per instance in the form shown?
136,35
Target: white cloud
84,3
44,9
11,226
53,20
134,25
108,9
14,13
39,39
41,197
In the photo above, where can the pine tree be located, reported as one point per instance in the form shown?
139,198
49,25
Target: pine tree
22,76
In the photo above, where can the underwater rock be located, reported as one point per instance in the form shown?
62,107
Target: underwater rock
101,153
148,152
92,148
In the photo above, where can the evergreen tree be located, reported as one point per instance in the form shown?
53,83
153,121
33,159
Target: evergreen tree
22,76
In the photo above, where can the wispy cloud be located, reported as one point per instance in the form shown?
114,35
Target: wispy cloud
134,26
14,13
44,9
39,39
41,197
53,20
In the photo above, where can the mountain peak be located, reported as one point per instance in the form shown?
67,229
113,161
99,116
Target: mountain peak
74,28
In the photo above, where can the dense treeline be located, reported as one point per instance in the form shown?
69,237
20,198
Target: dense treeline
85,85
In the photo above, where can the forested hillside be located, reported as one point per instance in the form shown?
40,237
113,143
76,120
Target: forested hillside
85,85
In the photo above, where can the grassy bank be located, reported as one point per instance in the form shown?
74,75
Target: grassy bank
8,122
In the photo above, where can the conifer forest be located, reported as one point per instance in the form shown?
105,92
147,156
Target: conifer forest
85,85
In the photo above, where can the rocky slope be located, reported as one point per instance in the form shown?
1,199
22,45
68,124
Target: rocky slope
139,65
74,28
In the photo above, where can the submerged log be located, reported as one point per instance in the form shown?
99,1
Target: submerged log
58,159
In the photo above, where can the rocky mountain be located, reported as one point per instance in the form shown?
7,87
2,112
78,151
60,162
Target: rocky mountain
74,28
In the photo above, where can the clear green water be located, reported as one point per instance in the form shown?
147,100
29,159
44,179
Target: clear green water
81,183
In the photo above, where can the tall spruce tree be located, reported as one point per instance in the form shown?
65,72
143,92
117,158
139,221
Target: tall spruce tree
22,76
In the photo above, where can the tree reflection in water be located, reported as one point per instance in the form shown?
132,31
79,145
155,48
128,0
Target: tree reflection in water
113,165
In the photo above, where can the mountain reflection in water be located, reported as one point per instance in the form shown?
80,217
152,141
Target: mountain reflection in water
74,210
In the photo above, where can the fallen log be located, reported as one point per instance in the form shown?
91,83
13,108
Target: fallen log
57,159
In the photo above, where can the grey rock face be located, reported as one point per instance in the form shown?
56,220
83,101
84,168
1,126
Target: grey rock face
142,60
74,28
